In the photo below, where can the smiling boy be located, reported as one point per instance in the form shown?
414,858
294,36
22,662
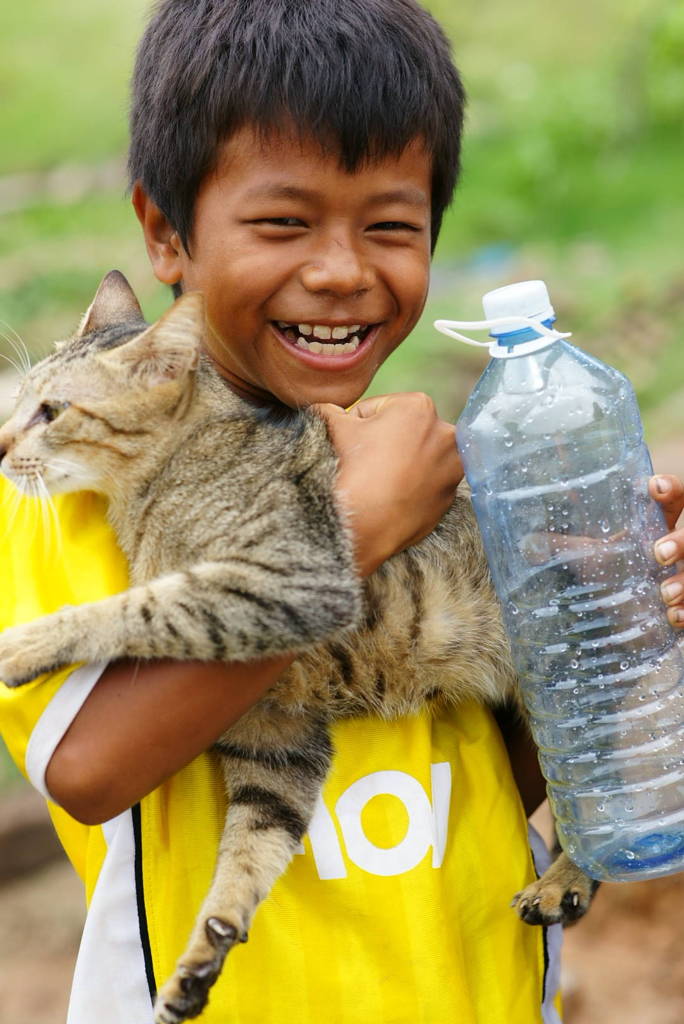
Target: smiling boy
314,274
292,160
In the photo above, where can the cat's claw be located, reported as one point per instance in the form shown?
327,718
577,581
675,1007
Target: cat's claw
550,903
185,995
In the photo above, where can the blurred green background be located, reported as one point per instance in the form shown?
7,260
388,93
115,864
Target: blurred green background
573,171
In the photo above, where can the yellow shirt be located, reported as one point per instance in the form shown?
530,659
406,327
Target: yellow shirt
395,911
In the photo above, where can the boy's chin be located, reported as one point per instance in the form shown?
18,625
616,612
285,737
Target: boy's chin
298,394
303,397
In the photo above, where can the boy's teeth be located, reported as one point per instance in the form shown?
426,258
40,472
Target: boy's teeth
328,350
321,331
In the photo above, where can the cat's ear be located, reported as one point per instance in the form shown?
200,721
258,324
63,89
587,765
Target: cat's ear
114,303
168,349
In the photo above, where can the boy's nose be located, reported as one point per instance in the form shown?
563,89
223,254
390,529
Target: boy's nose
340,269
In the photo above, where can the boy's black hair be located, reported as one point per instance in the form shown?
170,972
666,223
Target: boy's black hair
363,77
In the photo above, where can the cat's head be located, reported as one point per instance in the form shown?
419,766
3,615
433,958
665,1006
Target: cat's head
104,396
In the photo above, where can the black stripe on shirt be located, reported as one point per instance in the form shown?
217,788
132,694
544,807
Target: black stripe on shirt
140,902
545,944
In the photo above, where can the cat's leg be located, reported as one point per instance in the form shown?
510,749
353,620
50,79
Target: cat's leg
213,611
272,792
562,894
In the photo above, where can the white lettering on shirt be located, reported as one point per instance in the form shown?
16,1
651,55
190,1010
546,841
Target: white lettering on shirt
428,825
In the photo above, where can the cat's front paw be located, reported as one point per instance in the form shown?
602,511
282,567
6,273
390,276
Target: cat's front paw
28,651
562,895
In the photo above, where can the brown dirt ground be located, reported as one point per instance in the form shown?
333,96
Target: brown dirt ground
40,927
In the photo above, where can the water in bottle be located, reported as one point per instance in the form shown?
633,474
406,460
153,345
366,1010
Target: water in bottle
553,450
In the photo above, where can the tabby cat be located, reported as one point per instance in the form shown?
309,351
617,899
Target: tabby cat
237,551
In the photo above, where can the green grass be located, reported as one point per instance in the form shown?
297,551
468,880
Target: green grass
571,172
63,78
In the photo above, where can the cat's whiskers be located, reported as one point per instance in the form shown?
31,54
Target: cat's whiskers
18,344
62,465
15,366
26,483
14,498
51,524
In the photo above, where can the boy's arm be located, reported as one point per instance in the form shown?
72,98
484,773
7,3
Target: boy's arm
140,724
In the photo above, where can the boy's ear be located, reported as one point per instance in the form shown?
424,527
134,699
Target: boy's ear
166,351
114,303
164,246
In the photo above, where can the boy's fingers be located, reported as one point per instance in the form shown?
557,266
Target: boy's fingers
363,409
668,491
670,548
403,402
328,411
367,407
672,591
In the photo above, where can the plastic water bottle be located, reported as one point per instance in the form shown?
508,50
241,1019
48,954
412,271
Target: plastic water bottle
553,449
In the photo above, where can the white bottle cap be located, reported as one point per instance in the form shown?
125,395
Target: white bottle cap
526,298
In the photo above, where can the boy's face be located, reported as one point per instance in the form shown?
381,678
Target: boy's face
311,275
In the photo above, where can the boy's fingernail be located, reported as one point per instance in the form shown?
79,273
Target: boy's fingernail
677,614
665,550
662,486
671,590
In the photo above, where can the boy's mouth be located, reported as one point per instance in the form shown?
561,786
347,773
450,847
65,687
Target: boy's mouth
324,339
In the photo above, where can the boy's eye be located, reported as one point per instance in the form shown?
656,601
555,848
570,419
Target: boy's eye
282,222
393,225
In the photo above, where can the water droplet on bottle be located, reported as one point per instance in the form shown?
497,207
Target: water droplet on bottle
630,854
574,663
605,526
624,665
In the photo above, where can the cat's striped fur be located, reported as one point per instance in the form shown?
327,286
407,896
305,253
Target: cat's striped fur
237,550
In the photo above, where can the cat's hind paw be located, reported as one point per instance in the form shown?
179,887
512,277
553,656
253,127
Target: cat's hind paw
27,652
185,995
562,895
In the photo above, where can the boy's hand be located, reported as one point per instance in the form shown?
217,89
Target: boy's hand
399,469
669,492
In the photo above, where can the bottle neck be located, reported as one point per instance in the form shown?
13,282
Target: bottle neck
512,338
528,335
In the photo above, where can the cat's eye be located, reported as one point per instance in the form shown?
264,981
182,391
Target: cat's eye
49,411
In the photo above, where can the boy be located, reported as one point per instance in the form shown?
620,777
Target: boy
292,160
